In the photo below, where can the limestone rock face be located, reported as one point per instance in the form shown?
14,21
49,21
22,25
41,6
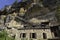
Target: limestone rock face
14,14
13,23
37,21
22,12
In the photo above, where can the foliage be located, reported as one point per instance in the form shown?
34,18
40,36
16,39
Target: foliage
58,13
4,36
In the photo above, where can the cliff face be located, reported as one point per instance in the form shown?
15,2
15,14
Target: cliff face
24,12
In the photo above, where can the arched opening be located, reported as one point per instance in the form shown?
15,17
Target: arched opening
44,36
23,35
33,35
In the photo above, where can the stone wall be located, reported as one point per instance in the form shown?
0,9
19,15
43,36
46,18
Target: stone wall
39,33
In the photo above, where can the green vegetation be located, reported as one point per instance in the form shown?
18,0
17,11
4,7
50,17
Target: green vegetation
4,36
58,13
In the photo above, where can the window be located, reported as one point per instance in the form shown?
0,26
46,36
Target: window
56,34
22,35
14,36
44,23
55,30
44,36
9,28
32,35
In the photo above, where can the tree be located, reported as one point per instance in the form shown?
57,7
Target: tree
4,36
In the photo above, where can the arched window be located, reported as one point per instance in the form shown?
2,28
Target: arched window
23,35
44,36
33,35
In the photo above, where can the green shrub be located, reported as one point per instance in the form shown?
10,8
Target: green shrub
4,36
